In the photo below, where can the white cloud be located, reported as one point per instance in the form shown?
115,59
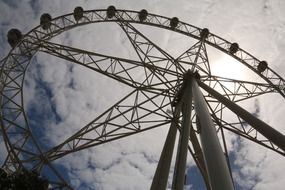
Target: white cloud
129,164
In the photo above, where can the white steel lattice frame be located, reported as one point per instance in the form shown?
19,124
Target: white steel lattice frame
152,95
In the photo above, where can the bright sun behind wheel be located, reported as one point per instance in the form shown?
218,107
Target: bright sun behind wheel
228,68
158,94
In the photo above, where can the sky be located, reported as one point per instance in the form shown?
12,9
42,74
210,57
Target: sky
60,96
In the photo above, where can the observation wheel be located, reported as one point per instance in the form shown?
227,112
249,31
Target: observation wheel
181,93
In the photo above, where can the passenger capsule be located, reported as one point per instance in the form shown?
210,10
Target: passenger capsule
78,13
204,33
262,66
143,15
14,36
174,22
111,10
46,21
234,48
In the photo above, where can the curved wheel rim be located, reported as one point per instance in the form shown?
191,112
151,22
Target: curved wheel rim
33,41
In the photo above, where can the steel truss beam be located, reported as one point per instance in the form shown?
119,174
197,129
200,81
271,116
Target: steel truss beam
267,131
137,112
161,82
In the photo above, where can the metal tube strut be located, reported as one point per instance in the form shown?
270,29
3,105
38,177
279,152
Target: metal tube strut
160,178
181,158
216,164
267,131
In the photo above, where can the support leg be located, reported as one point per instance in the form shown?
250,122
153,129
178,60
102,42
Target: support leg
267,131
159,181
181,158
215,160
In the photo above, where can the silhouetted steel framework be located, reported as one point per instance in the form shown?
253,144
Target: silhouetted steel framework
168,84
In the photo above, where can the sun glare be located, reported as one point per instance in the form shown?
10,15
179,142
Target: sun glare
229,68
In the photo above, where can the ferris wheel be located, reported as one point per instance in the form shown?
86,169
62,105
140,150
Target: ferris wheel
181,93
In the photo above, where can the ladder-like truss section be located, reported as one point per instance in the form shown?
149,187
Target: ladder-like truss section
153,99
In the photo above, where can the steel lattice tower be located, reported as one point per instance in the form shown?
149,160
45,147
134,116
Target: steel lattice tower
169,83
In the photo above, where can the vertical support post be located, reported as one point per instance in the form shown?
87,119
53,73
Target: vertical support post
215,160
267,131
181,158
160,178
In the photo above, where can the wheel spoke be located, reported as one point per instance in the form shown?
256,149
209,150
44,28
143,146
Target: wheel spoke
237,90
155,79
137,112
123,70
238,126
149,53
196,57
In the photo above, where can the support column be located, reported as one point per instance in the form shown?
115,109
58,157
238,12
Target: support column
215,160
160,178
267,131
181,158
